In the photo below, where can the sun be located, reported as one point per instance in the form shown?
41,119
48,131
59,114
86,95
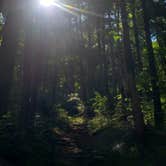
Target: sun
47,2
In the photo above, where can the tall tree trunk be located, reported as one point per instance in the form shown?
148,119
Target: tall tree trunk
161,41
130,75
29,76
8,51
136,34
158,113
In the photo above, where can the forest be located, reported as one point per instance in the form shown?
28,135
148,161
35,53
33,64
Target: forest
82,82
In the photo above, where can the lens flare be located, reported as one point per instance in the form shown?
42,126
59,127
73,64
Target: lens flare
68,8
47,3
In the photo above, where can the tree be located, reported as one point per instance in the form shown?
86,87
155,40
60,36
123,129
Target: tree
158,113
130,78
8,53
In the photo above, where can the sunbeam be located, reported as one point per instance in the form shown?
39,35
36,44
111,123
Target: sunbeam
67,8
81,10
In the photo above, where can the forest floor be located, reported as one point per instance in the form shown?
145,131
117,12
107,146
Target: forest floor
79,148
74,147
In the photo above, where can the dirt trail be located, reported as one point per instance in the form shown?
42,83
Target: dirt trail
74,147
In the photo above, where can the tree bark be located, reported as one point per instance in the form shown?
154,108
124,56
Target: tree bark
130,75
158,113
8,51
29,76
136,35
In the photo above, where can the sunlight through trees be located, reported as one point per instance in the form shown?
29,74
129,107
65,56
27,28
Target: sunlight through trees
82,82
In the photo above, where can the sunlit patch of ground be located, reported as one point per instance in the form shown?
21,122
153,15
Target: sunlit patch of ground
76,120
